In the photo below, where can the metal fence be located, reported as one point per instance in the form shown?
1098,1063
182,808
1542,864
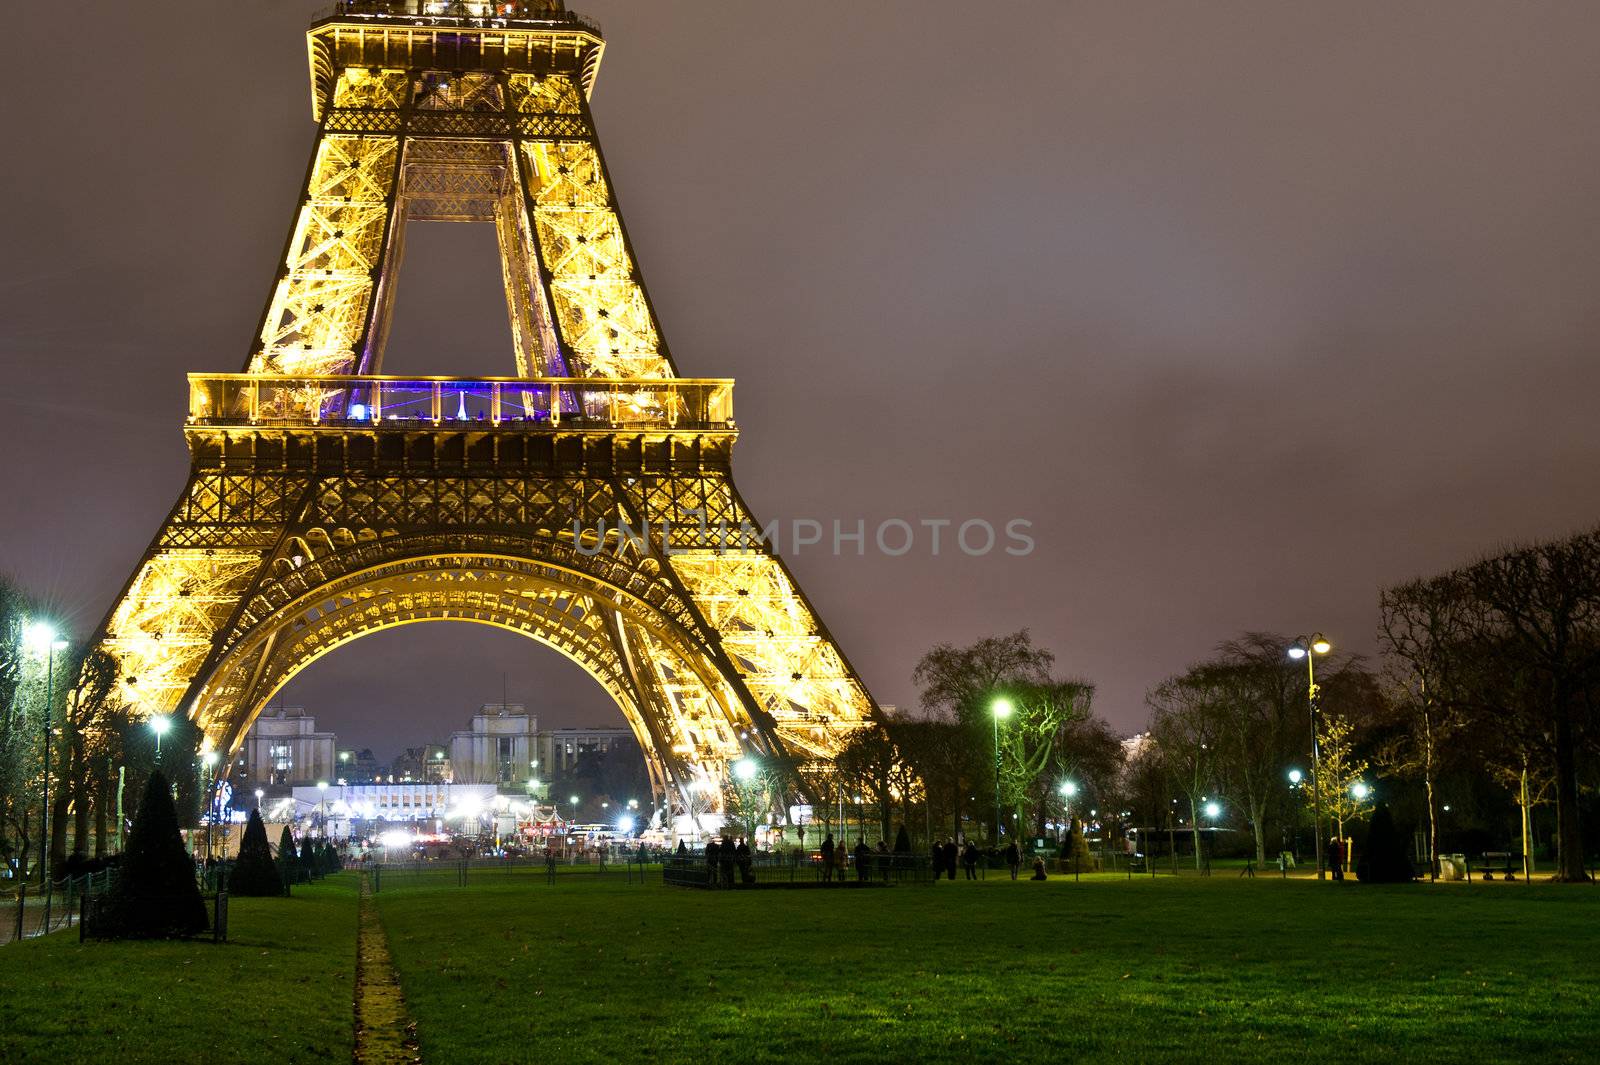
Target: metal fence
97,916
33,912
396,876
795,870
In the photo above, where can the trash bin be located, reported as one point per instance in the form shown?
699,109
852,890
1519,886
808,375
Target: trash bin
1452,866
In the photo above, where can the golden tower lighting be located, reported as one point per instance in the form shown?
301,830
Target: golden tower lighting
326,501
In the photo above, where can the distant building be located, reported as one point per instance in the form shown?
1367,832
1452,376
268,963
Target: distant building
368,809
501,747
283,747
359,767
428,764
561,748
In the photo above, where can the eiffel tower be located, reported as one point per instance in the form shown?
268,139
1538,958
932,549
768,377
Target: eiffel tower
586,502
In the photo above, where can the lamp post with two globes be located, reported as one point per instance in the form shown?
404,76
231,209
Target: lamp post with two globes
1308,648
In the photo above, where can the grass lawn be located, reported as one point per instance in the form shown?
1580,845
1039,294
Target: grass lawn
1218,970
280,991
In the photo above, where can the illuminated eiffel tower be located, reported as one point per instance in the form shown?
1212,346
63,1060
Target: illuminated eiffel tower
586,502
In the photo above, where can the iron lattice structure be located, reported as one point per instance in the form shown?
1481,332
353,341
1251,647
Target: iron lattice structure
586,502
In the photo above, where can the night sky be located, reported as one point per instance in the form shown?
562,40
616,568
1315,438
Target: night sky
1250,308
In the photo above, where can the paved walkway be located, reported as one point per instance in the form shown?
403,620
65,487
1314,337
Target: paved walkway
61,916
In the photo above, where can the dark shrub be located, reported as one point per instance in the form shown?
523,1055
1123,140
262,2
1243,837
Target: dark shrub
254,872
289,861
156,896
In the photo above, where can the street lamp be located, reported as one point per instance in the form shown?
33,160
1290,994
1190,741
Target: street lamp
259,795
1295,777
1001,708
46,641
1359,791
745,769
160,725
1068,789
1308,648
208,760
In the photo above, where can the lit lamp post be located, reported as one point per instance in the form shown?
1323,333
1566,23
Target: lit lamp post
1068,789
1001,708
259,795
1308,648
44,639
208,762
1212,810
160,725
1295,779
744,772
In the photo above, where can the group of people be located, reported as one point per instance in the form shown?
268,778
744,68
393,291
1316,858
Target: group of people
724,858
836,859
947,854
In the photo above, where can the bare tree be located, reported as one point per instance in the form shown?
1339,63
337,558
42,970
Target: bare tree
1186,729
1034,734
1541,605
869,764
17,734
91,711
1422,629
958,685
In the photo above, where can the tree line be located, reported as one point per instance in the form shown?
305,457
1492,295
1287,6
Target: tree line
100,756
1484,698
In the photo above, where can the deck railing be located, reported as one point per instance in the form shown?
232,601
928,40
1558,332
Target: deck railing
471,12
670,404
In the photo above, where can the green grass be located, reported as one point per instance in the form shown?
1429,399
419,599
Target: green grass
1218,970
1214,970
280,991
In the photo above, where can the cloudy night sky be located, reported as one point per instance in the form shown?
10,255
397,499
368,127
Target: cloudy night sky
1249,308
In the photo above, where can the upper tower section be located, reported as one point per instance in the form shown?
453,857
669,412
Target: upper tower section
460,36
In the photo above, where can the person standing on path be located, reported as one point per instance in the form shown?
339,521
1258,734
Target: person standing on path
1013,858
863,859
827,859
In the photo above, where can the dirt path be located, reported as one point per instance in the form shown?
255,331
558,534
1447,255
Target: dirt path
385,1034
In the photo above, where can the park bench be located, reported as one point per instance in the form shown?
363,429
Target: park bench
1491,859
